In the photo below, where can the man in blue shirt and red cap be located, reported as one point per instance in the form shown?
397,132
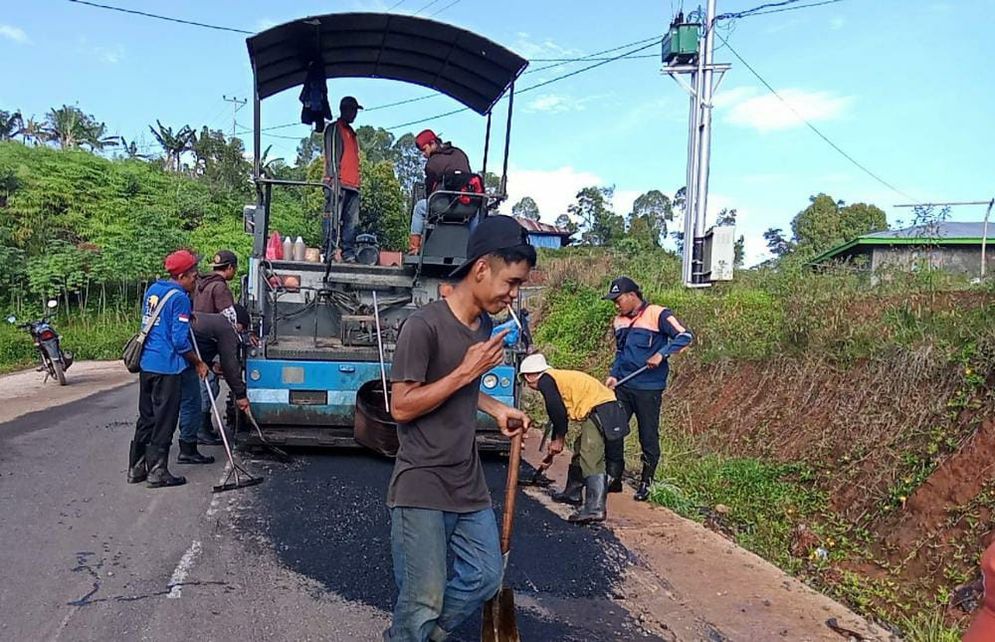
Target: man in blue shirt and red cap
167,352
645,336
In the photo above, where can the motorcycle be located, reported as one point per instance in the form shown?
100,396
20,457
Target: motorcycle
54,361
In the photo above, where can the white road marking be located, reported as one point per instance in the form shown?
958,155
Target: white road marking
182,569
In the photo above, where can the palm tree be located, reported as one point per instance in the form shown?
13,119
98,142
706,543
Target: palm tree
132,150
67,126
173,144
31,130
10,124
97,139
269,167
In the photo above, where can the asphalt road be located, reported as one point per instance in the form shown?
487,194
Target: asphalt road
304,556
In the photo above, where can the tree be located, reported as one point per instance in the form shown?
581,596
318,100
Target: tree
32,130
826,223
10,124
778,244
526,208
376,143
174,144
564,222
599,224
96,137
132,150
382,208
69,127
307,150
649,217
409,164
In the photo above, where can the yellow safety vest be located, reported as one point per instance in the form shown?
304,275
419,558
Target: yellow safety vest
581,392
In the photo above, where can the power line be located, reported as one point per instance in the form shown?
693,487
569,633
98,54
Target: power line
815,129
454,2
430,3
396,5
772,7
532,87
158,17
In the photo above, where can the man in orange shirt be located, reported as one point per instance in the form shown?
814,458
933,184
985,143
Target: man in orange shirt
342,172
982,628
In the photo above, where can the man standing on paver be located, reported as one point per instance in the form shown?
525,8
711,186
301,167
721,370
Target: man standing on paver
438,497
645,335
167,353
342,172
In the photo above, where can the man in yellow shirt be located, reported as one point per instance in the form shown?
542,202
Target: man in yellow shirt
573,395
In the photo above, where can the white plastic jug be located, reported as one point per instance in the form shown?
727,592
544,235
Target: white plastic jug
288,249
299,249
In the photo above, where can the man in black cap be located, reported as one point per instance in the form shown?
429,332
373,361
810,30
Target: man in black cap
645,335
438,496
342,172
214,296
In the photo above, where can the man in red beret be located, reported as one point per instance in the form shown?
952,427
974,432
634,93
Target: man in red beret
443,158
167,352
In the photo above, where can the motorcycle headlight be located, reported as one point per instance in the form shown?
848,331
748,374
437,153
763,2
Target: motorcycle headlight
490,381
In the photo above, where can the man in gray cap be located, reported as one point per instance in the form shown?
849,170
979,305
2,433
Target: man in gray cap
342,174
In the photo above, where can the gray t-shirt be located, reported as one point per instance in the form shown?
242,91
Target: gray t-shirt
437,464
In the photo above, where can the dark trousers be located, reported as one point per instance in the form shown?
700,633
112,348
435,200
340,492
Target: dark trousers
349,206
158,410
645,405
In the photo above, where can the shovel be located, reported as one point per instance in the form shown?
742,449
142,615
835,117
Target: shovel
636,373
499,612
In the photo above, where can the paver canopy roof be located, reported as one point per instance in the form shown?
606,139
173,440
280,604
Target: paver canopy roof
471,69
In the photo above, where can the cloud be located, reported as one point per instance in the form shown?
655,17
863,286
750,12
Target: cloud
529,47
559,103
109,55
768,113
553,190
16,34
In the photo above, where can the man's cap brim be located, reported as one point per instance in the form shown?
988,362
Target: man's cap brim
612,297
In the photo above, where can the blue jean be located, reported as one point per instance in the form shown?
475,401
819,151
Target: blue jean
191,416
428,606
418,216
194,402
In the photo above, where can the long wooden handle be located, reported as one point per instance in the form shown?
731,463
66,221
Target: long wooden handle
510,492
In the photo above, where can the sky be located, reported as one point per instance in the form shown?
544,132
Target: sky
904,87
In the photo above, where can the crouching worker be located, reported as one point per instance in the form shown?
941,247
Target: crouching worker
597,464
215,338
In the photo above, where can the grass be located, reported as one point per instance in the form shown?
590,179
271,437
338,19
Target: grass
96,336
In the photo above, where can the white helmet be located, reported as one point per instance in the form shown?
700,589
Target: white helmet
533,364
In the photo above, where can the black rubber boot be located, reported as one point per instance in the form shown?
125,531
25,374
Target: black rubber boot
137,470
159,475
645,479
207,435
594,501
189,455
614,470
571,493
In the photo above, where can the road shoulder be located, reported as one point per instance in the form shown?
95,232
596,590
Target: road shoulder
27,391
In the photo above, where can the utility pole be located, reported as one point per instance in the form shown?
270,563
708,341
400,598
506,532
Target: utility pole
237,103
688,50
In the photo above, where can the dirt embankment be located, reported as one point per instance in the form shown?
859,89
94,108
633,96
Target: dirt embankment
902,445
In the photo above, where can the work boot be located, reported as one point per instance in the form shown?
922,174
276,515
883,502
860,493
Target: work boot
207,435
159,475
571,493
190,455
614,470
645,479
594,501
414,244
137,470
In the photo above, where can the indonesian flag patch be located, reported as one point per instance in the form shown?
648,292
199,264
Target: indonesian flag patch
183,318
